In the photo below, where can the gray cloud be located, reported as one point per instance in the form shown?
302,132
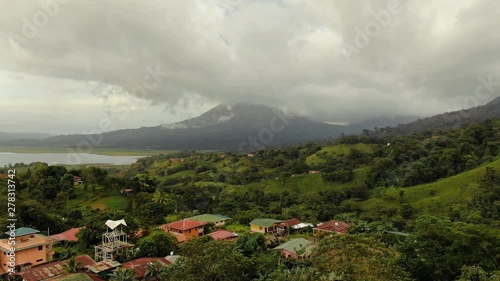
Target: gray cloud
285,53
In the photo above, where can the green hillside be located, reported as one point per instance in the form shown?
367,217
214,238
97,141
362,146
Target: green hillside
335,151
443,189
436,198
309,183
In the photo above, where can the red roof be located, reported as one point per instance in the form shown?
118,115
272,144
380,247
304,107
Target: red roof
221,234
334,226
68,235
140,266
184,224
42,271
290,222
92,276
84,260
181,238
51,269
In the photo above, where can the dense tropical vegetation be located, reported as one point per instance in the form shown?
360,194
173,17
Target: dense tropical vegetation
440,188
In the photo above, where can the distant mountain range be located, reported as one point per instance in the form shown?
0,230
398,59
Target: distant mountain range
449,120
225,127
5,136
250,127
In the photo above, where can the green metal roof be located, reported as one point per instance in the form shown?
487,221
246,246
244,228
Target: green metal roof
264,222
22,231
295,245
210,218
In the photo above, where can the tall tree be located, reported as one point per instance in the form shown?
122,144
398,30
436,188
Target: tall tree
154,270
72,266
157,244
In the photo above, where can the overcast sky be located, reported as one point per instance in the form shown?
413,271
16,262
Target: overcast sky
66,65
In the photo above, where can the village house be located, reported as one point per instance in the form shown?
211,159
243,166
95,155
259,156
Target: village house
68,235
302,225
140,266
223,235
217,220
103,268
295,248
83,276
31,249
286,226
184,229
49,271
339,227
127,191
176,160
77,180
172,258
264,225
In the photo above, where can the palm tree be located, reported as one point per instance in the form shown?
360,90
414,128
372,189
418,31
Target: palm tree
160,196
154,270
67,253
72,266
386,226
361,226
122,275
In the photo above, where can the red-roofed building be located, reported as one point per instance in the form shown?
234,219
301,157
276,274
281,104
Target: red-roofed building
51,269
42,272
77,180
85,260
140,266
188,228
341,227
286,226
68,235
223,235
181,238
290,223
83,276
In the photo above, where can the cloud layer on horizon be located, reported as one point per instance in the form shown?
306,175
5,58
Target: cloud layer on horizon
285,53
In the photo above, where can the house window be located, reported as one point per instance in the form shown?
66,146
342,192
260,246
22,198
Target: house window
39,260
40,248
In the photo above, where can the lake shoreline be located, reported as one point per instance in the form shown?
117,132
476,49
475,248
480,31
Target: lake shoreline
61,158
98,151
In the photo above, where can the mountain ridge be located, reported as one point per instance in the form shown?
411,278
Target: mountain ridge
221,128
253,126
448,120
5,136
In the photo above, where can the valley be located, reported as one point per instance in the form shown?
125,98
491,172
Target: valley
381,185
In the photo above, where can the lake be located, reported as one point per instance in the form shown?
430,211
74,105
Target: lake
65,158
